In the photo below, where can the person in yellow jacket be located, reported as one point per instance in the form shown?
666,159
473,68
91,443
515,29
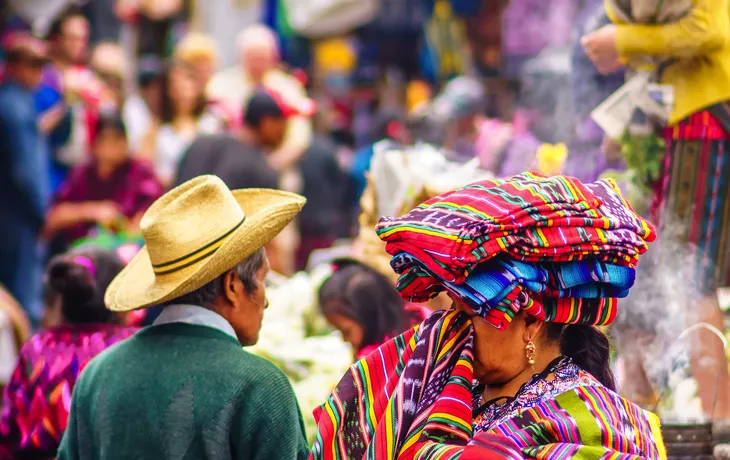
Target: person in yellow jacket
692,196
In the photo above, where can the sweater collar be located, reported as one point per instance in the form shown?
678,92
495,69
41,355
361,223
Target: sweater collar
196,315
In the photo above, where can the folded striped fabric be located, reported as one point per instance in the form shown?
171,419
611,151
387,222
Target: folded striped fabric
582,291
528,217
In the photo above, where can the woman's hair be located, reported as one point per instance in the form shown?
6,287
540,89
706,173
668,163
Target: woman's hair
363,295
588,347
167,106
79,279
196,46
110,120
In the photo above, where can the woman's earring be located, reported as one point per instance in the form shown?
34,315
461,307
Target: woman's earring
530,353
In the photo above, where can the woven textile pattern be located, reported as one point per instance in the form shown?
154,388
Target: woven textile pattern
37,400
412,399
692,197
528,217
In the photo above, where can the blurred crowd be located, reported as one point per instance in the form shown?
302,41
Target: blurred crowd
95,129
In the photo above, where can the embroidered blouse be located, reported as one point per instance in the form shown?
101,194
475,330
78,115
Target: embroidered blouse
560,376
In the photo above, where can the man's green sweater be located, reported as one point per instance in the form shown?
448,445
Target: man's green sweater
182,391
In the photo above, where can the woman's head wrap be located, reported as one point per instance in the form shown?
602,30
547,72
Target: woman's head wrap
558,249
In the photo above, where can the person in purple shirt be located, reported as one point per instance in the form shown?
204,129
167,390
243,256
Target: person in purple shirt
23,173
111,190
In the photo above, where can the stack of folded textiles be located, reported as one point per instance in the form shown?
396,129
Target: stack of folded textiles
555,247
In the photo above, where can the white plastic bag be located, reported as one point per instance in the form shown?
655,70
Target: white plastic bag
319,18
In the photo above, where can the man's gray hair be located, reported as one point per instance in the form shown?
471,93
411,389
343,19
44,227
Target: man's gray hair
246,270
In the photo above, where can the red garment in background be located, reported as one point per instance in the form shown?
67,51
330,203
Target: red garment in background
133,187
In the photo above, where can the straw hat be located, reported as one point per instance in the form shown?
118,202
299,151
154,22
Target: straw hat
193,234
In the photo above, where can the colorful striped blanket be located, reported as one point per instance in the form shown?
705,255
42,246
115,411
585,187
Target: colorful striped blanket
412,399
527,217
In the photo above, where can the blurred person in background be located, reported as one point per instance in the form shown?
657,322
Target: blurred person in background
365,307
24,176
692,194
328,191
105,23
159,23
15,329
200,52
587,160
34,16
184,115
109,63
389,127
111,190
258,50
69,88
142,109
36,402
242,163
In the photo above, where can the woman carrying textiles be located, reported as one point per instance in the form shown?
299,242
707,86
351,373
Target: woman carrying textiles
516,369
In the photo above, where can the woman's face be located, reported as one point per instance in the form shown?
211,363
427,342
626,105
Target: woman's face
183,91
204,69
351,331
499,355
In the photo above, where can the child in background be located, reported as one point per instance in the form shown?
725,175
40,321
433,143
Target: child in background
365,307
112,189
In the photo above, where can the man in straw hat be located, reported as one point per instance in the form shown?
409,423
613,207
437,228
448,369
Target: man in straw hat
183,388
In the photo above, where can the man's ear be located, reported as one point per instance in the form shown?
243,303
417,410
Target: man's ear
230,290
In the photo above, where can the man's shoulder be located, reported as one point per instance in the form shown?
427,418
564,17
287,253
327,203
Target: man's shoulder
260,369
103,363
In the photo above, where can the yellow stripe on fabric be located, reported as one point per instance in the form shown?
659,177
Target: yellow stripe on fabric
443,415
601,415
390,426
589,431
413,438
368,384
404,227
543,238
450,344
656,433
457,207
444,327
331,415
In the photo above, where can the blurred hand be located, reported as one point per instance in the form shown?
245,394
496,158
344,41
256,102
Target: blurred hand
611,149
600,47
106,214
48,120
